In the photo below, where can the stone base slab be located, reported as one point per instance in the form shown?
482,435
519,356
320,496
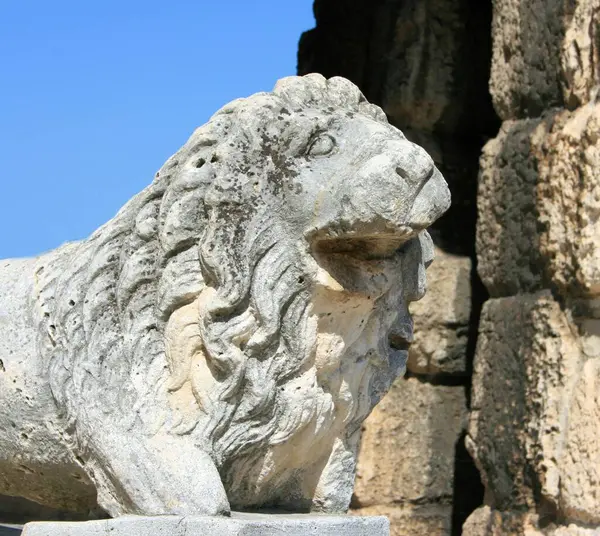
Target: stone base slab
239,524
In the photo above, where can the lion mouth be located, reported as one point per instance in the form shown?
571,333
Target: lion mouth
366,247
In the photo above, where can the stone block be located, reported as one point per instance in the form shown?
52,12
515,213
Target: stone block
487,522
539,206
535,415
507,235
441,318
414,520
545,54
580,461
236,525
417,425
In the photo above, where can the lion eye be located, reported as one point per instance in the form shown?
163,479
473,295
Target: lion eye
322,145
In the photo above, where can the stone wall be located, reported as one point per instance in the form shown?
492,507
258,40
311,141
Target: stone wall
535,419
447,72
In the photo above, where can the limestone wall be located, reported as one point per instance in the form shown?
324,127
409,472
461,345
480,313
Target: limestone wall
534,426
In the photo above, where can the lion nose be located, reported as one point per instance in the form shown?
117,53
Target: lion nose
429,196
432,200
413,164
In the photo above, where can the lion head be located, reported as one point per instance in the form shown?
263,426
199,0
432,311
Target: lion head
245,297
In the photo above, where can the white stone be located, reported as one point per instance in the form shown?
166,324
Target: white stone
218,343
236,525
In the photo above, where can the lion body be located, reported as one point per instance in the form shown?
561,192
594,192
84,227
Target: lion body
35,461
218,343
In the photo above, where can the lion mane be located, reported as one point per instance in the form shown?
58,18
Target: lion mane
127,335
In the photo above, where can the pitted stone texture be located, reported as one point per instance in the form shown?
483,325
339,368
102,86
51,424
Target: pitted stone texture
507,227
545,54
535,407
441,318
539,200
236,525
414,520
220,341
487,522
569,201
416,425
27,415
580,463
580,54
524,349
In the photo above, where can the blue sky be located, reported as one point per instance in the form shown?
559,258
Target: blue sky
96,95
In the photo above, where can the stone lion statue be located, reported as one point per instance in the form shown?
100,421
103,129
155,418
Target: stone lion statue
218,343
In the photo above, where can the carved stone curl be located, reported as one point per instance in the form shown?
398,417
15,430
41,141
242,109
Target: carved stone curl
218,343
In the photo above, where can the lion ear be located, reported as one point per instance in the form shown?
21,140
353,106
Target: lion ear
183,342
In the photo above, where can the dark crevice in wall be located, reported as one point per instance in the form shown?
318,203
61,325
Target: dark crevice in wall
479,296
468,488
449,380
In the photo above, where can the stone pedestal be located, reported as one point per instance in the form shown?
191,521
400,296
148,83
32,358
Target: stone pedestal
237,525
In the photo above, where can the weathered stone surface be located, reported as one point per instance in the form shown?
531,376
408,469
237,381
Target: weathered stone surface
508,249
569,201
416,425
220,341
580,461
545,54
527,36
236,525
535,408
414,520
524,344
487,522
441,318
580,55
28,420
539,205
